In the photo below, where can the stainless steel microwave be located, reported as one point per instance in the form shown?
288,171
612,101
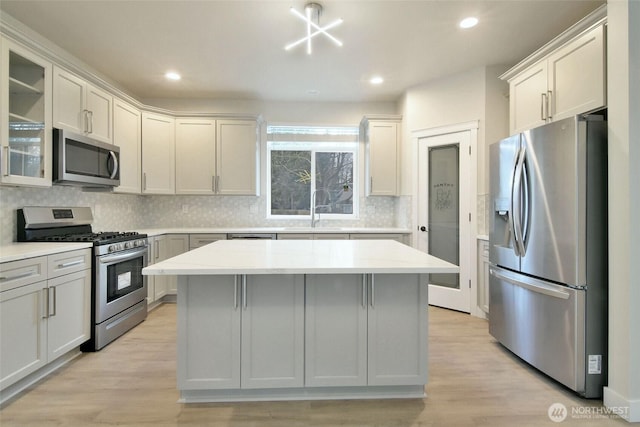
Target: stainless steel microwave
82,161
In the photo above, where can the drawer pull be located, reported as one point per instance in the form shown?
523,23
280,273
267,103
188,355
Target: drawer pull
18,276
71,263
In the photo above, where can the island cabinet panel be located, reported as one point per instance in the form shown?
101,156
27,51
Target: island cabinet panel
336,330
209,338
241,332
272,331
356,324
397,320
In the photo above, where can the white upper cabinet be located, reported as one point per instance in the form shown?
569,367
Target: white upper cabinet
195,156
382,142
216,156
568,81
237,157
158,154
127,135
81,107
25,125
577,76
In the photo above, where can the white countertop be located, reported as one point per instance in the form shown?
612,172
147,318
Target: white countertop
151,232
301,257
22,250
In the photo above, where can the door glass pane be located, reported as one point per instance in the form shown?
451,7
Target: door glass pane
444,218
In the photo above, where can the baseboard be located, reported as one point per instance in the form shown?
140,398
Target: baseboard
8,394
627,409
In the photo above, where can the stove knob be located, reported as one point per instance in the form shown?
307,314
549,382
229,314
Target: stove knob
127,245
111,248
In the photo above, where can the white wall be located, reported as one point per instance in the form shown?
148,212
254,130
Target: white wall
476,94
623,44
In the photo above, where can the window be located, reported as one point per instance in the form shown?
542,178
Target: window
312,165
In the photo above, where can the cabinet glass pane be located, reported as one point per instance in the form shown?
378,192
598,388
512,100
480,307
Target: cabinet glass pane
26,117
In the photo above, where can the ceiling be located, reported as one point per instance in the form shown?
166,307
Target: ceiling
235,49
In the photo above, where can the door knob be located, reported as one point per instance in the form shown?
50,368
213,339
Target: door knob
423,228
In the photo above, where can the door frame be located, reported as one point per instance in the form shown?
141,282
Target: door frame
472,128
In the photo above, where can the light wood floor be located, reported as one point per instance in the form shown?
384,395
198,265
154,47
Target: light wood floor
473,382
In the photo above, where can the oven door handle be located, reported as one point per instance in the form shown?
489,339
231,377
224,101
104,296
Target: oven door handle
122,256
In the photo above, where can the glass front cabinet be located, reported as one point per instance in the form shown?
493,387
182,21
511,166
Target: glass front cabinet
25,158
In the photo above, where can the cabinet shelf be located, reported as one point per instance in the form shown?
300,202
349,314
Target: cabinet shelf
18,122
20,88
24,153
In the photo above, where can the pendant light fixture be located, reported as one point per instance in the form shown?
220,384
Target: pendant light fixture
312,18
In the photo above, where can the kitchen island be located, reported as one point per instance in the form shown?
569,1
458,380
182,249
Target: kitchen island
288,320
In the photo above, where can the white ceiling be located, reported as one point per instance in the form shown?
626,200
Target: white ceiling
235,49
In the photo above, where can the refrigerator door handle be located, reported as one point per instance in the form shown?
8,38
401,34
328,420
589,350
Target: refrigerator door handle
525,205
529,283
516,202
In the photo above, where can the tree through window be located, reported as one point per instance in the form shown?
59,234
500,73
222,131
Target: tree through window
312,165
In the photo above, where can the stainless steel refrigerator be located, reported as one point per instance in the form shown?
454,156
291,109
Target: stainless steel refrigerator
548,250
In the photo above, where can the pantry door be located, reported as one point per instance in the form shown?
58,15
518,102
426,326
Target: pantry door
444,214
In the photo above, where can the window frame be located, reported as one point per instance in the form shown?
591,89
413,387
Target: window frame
316,147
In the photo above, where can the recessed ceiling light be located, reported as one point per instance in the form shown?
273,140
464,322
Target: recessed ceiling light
469,22
172,75
376,80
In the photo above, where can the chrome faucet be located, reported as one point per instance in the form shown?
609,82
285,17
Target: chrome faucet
313,206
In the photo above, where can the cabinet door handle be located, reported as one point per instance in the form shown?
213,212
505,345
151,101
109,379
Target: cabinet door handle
144,181
549,104
244,291
370,184
213,183
373,290
5,161
85,119
235,292
53,300
364,291
45,303
90,121
217,183
543,103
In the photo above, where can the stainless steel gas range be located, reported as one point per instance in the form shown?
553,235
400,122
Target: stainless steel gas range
119,289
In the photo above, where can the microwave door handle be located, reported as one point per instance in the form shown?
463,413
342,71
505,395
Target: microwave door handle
115,164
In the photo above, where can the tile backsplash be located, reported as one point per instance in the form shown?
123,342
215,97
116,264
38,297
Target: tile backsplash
129,212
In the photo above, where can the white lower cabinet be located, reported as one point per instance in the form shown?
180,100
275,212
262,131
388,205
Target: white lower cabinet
483,275
43,319
176,244
211,333
336,330
356,324
272,348
397,321
161,248
241,332
23,336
